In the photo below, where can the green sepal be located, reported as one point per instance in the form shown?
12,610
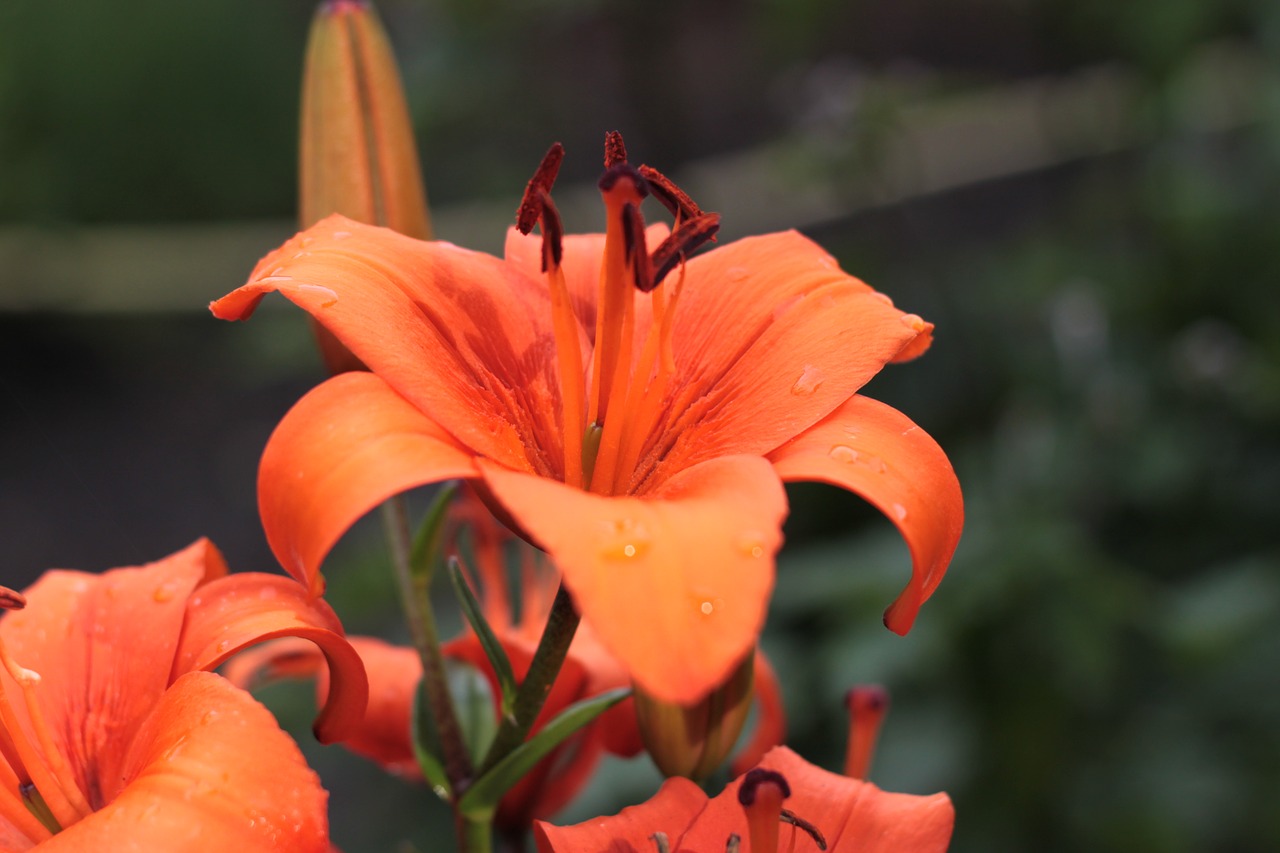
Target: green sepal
488,640
481,799
426,542
426,745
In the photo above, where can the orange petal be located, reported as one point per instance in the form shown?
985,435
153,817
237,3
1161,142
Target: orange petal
459,334
770,337
771,717
81,632
675,583
853,816
242,610
875,451
345,447
385,735
670,811
209,770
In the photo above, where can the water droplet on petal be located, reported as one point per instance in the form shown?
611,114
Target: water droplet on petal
900,511
330,298
843,453
162,594
810,380
627,539
222,646
707,608
751,544
914,322
340,235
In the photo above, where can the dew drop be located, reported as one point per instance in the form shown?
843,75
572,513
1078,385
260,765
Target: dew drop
330,298
810,380
162,594
900,511
340,235
707,608
222,646
627,539
750,544
843,453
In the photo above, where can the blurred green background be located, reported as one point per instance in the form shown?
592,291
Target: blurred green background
1081,194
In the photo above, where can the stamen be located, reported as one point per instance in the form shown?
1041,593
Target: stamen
615,150
761,794
867,706
544,177
552,234
11,599
671,196
565,326
689,235
788,816
637,252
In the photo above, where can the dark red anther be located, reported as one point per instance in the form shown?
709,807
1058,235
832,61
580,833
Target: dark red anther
615,150
757,777
539,185
636,250
803,825
552,234
688,237
672,197
11,599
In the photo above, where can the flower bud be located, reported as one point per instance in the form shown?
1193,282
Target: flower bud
693,740
357,152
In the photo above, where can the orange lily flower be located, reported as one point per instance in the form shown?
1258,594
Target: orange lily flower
113,734
640,438
784,804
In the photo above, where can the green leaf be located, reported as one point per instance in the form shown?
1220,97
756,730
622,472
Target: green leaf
472,696
481,799
426,543
426,745
488,640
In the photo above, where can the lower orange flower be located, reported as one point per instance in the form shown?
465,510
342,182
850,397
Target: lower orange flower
784,804
113,736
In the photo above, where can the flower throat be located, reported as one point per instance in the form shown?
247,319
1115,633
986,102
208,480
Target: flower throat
607,421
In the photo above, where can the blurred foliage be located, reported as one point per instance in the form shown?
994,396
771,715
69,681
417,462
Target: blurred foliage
1097,670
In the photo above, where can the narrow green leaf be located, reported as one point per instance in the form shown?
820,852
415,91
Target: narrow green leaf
427,541
481,799
473,698
426,745
488,640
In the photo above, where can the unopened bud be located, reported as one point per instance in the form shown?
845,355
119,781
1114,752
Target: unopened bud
357,152
693,740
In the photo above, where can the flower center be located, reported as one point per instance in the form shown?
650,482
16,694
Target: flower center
607,421
39,795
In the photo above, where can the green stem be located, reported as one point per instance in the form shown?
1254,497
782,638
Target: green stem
562,623
476,834
415,594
